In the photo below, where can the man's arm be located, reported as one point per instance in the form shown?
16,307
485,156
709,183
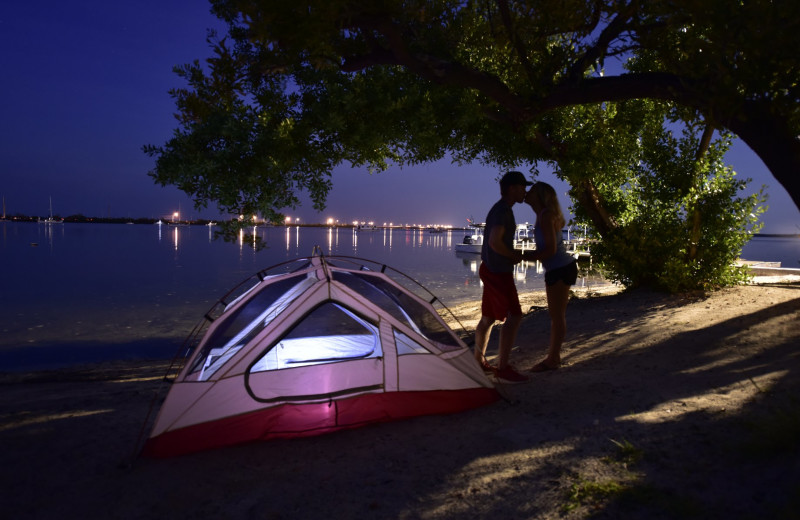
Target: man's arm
497,245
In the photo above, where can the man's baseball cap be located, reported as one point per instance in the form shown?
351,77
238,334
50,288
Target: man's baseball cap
513,178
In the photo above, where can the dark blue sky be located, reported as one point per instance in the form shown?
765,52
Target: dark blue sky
86,85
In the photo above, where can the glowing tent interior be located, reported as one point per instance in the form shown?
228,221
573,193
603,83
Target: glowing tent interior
313,346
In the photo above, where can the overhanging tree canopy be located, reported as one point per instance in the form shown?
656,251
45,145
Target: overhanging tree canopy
299,87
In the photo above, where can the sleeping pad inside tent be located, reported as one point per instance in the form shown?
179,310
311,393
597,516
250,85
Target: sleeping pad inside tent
312,346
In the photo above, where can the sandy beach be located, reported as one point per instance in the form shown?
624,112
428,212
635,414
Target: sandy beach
667,406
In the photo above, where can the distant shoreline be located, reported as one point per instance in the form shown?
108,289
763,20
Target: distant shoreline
204,222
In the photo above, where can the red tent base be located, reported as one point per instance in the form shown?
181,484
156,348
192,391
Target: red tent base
305,420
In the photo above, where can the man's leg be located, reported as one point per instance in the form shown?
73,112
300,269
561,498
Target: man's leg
482,332
508,335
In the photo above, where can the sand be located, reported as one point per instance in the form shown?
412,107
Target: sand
682,406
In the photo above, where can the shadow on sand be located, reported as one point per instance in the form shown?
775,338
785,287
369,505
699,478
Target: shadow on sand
695,448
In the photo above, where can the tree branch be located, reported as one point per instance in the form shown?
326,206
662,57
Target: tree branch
601,45
429,67
522,55
654,85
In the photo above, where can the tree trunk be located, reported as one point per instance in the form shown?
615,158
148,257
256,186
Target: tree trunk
702,148
774,143
591,200
763,125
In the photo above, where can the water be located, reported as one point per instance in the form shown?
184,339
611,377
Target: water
785,250
72,293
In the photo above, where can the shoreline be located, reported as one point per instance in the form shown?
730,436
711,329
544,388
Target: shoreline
86,353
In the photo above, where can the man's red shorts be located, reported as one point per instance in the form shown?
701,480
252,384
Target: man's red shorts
499,294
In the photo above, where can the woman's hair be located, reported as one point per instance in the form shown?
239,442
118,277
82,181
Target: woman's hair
547,197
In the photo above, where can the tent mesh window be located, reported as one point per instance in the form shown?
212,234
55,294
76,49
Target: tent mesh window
328,334
400,306
406,345
238,327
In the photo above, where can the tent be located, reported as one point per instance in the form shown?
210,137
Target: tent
313,346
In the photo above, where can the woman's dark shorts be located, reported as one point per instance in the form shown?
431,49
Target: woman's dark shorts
567,274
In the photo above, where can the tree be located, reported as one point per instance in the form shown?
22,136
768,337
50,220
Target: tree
680,221
296,88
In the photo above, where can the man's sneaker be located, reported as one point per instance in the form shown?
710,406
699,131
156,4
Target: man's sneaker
489,369
510,376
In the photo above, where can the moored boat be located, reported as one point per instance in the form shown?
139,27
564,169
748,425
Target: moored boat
50,219
473,240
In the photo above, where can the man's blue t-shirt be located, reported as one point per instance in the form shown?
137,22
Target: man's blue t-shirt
500,215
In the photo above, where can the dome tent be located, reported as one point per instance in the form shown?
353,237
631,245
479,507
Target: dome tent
314,346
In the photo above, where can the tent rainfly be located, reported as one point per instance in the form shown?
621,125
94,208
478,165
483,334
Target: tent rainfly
326,344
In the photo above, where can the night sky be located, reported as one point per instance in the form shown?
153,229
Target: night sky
85,85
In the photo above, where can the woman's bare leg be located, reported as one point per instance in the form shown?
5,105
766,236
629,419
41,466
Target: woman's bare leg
557,298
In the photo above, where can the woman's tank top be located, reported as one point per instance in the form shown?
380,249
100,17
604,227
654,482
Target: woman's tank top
559,259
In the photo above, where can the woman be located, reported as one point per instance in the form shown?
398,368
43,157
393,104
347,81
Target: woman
561,269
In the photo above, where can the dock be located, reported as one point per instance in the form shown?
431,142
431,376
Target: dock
758,268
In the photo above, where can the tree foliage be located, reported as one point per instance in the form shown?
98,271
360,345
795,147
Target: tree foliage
297,88
680,217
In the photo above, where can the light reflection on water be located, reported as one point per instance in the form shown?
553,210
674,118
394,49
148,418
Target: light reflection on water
115,288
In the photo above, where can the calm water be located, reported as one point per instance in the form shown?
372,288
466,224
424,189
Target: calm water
72,293
785,250
77,292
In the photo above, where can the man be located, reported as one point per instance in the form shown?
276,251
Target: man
500,301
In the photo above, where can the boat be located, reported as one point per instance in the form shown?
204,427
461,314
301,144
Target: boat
577,246
366,226
472,241
50,219
523,237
